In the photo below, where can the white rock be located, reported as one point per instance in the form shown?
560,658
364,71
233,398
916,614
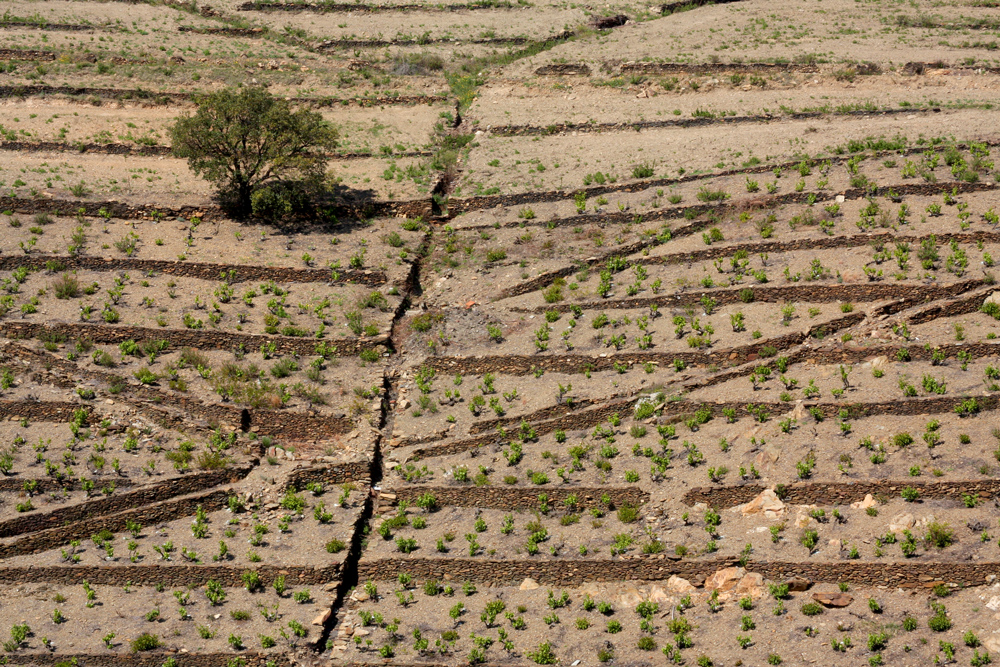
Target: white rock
901,522
725,579
866,503
676,584
529,584
766,503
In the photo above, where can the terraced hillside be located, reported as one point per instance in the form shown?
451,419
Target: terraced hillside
640,334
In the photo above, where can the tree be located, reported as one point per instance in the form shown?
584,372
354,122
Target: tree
253,147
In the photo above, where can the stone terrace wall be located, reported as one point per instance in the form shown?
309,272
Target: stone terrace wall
588,418
146,495
146,659
200,339
331,475
42,411
150,515
834,493
15,484
853,292
242,272
512,498
370,209
458,206
773,247
968,304
172,576
522,364
267,422
574,572
848,354
91,208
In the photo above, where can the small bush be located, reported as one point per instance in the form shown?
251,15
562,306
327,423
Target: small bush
66,287
812,609
628,513
146,642
939,535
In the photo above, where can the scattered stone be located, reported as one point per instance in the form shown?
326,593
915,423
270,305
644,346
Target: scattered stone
752,584
766,503
529,584
901,522
323,618
678,585
799,584
631,597
659,596
869,501
725,579
833,599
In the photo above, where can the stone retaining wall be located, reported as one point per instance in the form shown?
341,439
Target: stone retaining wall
624,407
847,355
325,7
853,292
42,411
267,422
143,496
839,493
722,251
330,475
513,498
523,364
52,538
668,213
171,576
576,571
200,339
74,27
26,54
15,484
233,273
25,90
145,659
684,5
639,125
472,203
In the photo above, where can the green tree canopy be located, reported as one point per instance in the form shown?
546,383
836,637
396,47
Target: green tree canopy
243,140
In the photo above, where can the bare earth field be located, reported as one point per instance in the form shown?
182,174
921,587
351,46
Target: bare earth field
629,333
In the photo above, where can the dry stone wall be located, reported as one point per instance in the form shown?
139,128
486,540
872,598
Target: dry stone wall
42,411
233,273
330,475
855,292
513,498
202,340
523,364
145,495
51,538
721,251
181,408
822,493
172,576
588,418
146,659
575,572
